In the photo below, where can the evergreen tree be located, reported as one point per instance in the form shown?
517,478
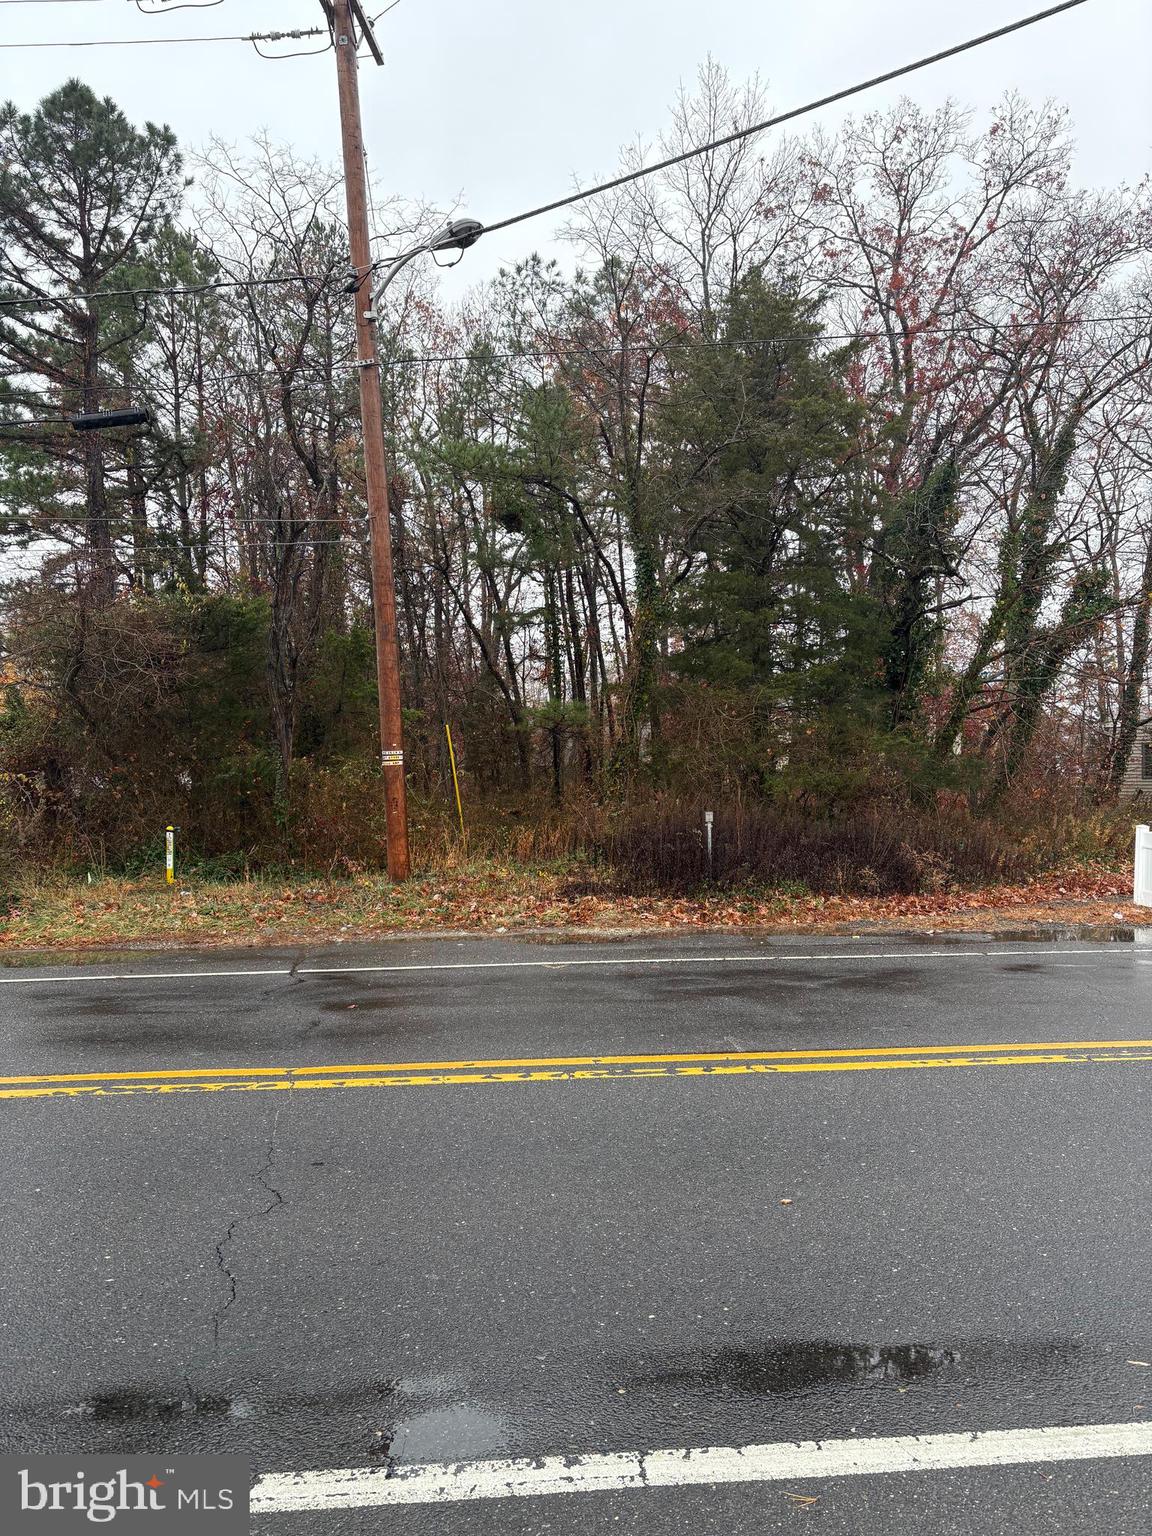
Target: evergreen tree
761,463
83,196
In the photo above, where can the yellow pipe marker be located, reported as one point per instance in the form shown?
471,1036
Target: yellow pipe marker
455,780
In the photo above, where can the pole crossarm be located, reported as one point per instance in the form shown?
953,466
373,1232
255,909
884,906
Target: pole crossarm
354,15
366,30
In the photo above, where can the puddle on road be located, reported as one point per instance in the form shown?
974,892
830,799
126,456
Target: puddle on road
1072,933
48,959
795,1366
771,1388
127,1407
458,1432
963,938
415,1418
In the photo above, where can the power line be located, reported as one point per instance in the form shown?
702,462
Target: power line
50,301
559,203
681,339
217,530
145,42
65,520
321,371
752,341
784,117
352,524
40,421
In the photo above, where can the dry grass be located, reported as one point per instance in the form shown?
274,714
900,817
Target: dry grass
491,897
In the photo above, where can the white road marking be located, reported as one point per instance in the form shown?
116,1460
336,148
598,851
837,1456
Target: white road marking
560,965
11,981
450,1482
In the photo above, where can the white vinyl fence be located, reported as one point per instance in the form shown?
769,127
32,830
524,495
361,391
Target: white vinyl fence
1142,875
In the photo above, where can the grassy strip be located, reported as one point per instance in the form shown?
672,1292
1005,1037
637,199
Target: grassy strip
500,898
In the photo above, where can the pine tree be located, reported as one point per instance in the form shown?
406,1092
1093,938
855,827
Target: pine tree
761,441
83,196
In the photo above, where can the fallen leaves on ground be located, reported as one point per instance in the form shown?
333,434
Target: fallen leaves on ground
495,898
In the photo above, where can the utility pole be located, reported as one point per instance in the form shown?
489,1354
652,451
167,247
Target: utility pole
343,17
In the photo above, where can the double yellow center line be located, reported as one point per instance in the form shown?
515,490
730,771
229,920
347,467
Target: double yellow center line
561,1069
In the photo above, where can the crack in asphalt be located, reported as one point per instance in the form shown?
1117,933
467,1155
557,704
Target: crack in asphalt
295,979
222,1265
266,1169
271,992
263,1178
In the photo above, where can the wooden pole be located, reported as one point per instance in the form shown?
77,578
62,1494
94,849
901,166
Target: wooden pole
375,464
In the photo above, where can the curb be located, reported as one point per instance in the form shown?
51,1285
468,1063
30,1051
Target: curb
1025,933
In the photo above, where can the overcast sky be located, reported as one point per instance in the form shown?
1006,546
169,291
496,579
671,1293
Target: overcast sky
501,103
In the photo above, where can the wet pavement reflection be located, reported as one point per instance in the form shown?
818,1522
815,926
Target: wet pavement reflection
794,1366
775,1389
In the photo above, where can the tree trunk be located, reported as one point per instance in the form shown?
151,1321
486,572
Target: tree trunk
141,554
1132,696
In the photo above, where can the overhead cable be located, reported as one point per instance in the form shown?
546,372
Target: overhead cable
784,117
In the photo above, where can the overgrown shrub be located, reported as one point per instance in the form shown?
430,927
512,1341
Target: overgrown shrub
878,851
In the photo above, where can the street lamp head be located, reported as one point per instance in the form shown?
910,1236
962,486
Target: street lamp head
101,421
457,235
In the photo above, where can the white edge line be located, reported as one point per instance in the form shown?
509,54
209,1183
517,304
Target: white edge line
450,1482
559,965
14,981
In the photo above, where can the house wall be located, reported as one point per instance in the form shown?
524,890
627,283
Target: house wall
1132,782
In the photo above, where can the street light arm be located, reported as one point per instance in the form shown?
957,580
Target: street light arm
457,235
393,269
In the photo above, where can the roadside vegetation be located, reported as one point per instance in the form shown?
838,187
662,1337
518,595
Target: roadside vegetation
644,871
816,495
492,898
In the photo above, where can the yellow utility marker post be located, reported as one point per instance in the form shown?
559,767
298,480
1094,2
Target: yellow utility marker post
455,780
170,854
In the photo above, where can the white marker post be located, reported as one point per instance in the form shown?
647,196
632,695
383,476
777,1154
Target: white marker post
1142,868
708,819
170,854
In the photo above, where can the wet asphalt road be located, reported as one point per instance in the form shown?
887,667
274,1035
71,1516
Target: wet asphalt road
447,1272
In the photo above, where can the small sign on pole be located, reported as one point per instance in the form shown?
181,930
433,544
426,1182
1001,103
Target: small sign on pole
170,854
708,819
